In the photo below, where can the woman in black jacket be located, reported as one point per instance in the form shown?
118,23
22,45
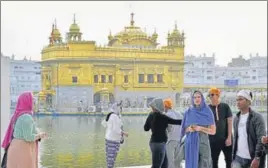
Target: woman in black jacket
158,123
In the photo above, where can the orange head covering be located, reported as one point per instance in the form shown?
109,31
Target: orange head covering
168,103
214,90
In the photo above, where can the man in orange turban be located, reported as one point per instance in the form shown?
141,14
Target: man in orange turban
222,140
173,143
168,103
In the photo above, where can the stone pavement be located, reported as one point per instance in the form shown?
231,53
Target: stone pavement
221,164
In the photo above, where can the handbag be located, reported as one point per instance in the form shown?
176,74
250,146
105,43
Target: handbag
122,136
122,139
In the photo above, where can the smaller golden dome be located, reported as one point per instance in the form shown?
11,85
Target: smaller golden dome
176,32
74,27
56,32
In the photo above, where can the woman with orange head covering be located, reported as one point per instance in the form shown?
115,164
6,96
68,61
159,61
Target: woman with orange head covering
22,136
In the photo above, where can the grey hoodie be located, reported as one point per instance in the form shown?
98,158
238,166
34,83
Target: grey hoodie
158,104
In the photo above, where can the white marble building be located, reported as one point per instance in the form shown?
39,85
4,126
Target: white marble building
202,70
25,75
5,96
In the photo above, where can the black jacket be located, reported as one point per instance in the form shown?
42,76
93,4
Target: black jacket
255,130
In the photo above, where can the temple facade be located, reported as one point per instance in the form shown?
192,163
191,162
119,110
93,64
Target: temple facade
132,68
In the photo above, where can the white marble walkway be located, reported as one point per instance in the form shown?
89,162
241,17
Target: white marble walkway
221,164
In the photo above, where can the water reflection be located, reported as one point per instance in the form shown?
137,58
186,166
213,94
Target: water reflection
79,142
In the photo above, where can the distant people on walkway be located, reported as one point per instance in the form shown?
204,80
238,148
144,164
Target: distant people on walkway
158,122
173,142
114,134
249,128
22,136
198,123
222,140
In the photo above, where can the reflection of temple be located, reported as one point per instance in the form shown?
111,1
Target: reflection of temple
131,67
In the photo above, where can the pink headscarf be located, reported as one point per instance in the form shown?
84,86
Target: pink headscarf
24,106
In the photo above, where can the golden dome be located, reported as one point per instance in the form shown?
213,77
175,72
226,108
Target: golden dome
132,31
74,27
132,36
56,32
176,32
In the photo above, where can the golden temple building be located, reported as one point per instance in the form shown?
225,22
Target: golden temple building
131,68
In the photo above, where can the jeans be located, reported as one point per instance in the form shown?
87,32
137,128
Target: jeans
241,162
216,148
159,157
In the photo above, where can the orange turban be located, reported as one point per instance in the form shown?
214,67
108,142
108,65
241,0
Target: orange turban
168,103
214,91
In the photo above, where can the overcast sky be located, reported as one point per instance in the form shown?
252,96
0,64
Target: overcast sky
227,29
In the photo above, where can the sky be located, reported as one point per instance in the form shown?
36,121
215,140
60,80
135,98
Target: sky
226,28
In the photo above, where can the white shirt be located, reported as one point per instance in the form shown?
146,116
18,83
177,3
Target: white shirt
114,128
242,148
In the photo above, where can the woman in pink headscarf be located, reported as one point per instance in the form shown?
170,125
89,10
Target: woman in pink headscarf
22,136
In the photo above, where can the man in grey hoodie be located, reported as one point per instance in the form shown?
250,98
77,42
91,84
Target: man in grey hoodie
174,131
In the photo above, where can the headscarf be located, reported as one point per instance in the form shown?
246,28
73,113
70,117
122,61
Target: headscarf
114,109
158,105
24,106
246,94
168,103
201,116
214,90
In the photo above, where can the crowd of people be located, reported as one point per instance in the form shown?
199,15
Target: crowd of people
197,136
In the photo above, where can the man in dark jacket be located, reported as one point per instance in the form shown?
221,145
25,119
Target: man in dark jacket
222,140
249,128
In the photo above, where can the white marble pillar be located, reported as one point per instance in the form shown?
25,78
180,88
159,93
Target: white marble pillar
5,96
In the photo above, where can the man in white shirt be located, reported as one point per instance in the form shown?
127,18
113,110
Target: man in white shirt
173,142
249,127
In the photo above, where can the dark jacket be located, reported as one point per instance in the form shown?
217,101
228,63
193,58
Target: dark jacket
255,130
266,148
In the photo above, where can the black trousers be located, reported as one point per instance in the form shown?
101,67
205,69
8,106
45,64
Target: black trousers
216,147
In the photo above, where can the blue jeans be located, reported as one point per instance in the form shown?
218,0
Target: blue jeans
241,162
159,157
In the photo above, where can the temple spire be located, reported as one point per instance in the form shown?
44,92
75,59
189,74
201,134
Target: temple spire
74,19
132,19
53,27
55,24
176,26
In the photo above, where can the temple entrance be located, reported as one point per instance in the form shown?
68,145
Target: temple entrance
103,97
96,98
102,100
